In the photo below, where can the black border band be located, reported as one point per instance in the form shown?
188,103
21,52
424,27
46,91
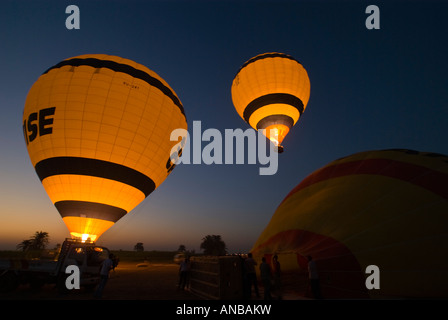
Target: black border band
267,55
96,168
71,208
272,98
124,68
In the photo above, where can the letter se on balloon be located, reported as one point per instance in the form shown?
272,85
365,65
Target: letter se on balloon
38,123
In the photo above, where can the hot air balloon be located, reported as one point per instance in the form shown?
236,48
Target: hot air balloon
270,92
97,129
386,208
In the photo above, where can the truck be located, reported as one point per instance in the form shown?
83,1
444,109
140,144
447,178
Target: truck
86,255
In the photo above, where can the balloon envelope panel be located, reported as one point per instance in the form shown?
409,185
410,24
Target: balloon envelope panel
385,208
97,129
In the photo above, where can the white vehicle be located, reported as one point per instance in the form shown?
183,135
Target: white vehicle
178,258
37,272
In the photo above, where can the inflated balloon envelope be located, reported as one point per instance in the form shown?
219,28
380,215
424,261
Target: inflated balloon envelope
97,129
384,208
270,92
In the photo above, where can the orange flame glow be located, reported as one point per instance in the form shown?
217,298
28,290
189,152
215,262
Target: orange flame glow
84,237
276,133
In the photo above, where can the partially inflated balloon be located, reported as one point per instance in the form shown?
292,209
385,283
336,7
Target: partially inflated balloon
270,92
387,209
97,129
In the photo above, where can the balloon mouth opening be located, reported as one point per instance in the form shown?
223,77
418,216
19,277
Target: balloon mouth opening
86,229
84,237
276,133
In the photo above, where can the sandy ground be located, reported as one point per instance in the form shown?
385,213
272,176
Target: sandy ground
130,281
127,282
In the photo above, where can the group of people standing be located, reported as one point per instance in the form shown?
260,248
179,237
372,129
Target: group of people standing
271,278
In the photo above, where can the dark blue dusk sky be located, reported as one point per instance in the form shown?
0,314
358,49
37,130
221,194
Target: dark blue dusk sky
370,89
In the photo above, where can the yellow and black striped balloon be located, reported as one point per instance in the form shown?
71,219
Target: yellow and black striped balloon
387,208
271,91
97,129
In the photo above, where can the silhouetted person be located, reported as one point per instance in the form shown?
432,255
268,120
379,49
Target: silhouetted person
249,265
265,274
115,261
184,273
106,266
313,275
246,285
277,277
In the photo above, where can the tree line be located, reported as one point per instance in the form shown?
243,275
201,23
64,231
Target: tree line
211,244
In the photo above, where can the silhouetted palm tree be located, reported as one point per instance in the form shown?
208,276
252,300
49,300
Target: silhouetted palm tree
37,242
40,240
25,245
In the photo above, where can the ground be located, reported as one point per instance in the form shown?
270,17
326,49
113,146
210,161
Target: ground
136,281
